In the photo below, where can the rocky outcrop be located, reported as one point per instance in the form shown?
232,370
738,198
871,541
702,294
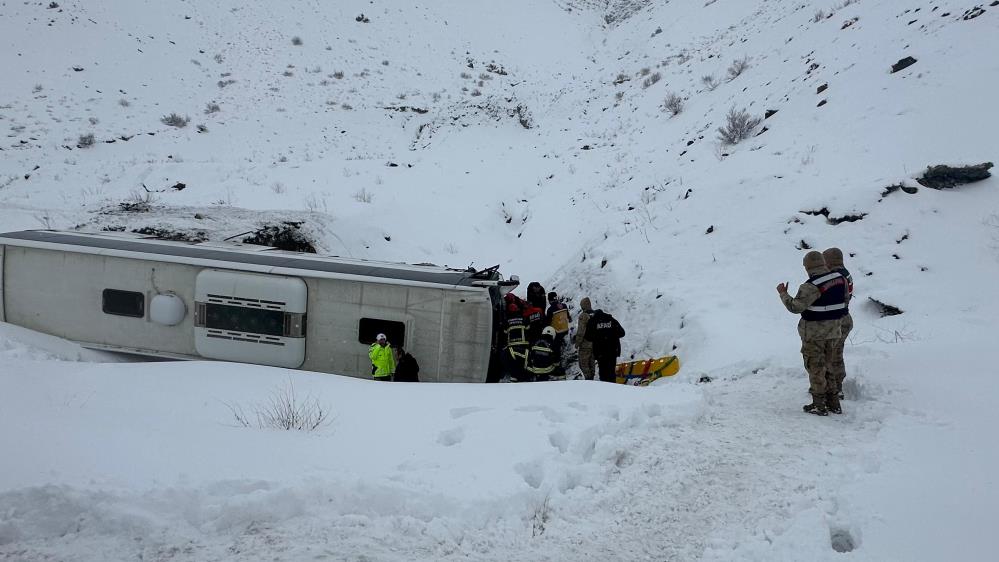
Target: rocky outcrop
948,177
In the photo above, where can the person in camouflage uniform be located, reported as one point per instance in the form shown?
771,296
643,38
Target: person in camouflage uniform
587,364
821,302
834,261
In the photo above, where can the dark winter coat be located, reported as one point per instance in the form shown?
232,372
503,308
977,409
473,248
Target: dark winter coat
605,332
407,369
542,359
536,295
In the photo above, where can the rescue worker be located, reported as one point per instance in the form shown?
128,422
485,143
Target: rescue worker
536,294
406,368
834,261
382,360
534,320
542,359
604,331
821,301
559,319
515,350
583,345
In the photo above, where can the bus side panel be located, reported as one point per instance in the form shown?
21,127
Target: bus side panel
336,308
61,293
468,332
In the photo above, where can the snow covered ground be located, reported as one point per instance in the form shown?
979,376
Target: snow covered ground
532,134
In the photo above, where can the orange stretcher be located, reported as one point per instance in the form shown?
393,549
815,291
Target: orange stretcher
641,373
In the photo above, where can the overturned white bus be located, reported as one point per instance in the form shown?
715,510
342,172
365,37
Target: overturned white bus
247,303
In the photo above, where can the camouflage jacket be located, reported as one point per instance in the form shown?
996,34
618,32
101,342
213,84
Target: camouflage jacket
814,330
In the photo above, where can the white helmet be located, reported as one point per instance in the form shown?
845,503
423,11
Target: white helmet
548,331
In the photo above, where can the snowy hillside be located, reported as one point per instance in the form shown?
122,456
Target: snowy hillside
538,135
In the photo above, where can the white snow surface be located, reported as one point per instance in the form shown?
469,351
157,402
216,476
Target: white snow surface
394,139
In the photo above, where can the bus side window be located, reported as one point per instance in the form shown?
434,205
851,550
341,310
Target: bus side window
369,328
123,303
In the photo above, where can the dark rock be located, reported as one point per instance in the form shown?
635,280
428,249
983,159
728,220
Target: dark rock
179,186
763,130
710,229
704,379
689,192
690,142
973,13
885,309
587,147
769,113
822,88
996,3
902,64
804,245
947,177
78,68
284,236
821,103
901,186
176,235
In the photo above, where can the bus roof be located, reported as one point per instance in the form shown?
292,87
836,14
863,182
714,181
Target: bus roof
248,254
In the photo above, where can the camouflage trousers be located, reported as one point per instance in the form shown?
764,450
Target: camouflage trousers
818,350
587,363
838,367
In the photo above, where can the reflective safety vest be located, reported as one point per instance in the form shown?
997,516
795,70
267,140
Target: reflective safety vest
831,304
541,358
560,321
849,285
516,332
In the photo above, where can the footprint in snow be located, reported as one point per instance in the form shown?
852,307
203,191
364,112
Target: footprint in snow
549,414
462,412
451,436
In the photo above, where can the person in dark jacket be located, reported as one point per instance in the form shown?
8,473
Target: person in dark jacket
406,368
542,359
534,321
536,295
605,332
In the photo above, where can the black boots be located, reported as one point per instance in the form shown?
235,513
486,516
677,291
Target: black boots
832,403
818,406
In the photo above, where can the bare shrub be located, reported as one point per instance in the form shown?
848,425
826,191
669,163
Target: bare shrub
619,96
202,128
673,103
645,71
283,410
385,62
476,93
226,82
819,16
296,41
175,120
542,514
124,102
364,196
739,124
621,78
737,67
710,82
212,107
93,120
218,58
346,106
288,73
338,75
53,5
37,88
651,79
85,141
466,75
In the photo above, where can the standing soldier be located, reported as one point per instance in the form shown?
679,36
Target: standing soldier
834,261
604,331
585,347
821,301
382,360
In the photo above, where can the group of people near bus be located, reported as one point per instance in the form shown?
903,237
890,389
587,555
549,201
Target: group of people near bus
536,331
534,344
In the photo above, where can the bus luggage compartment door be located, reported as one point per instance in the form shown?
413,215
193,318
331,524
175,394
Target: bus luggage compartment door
250,318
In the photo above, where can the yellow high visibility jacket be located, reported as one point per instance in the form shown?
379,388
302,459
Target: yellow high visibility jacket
382,359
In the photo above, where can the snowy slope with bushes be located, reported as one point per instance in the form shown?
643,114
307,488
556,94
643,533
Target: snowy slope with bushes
574,142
